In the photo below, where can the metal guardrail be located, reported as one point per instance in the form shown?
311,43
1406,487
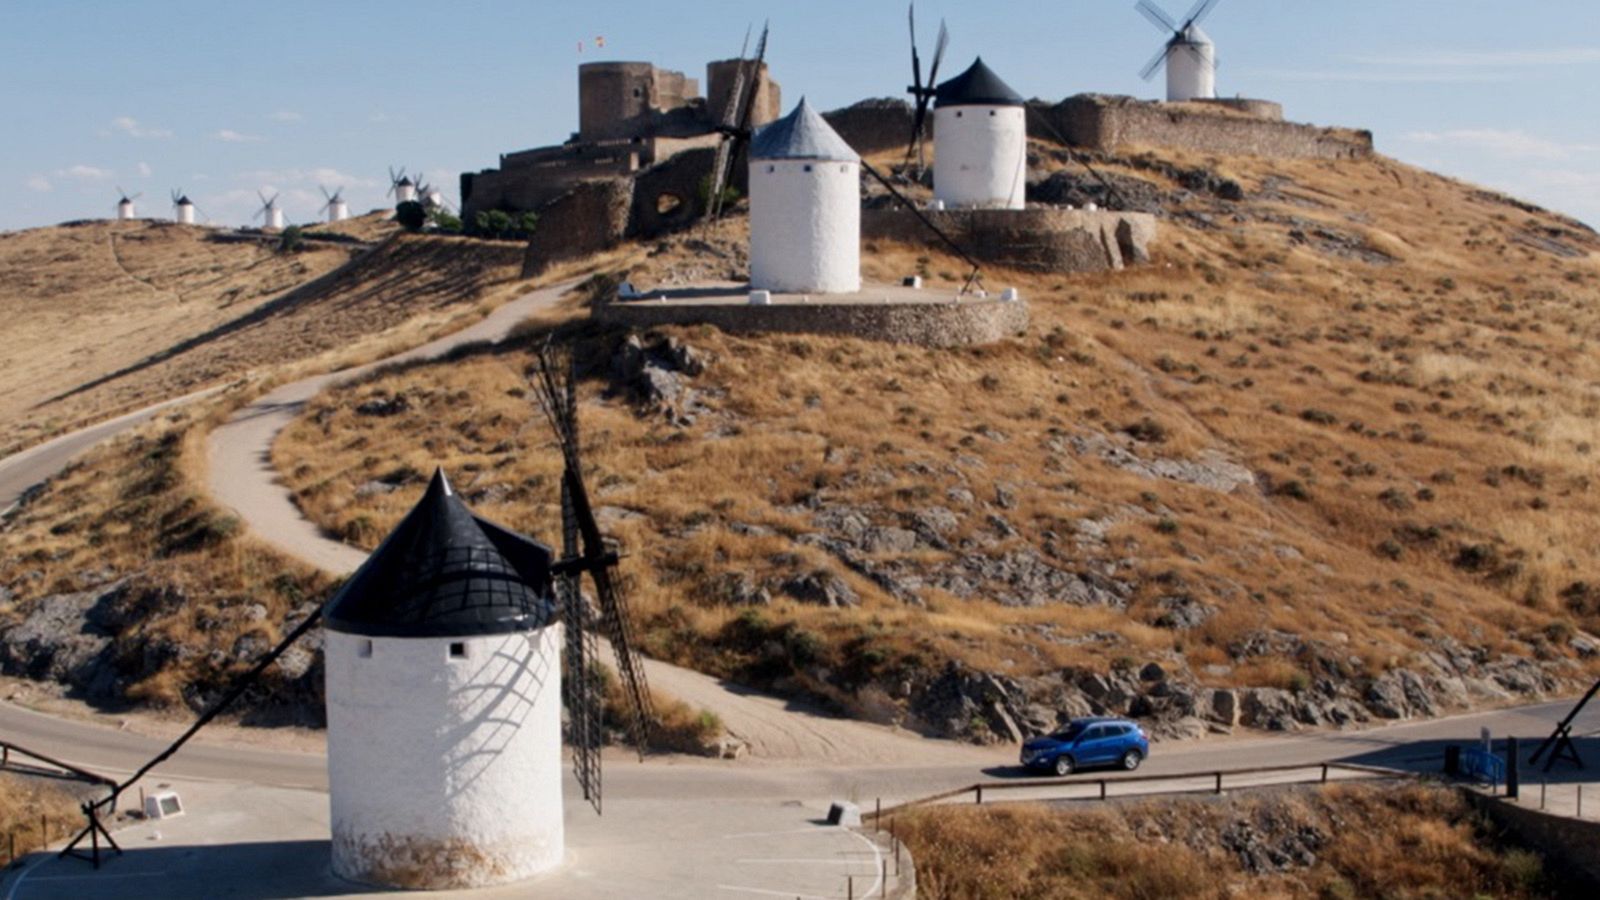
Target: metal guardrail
1484,766
8,749
1317,773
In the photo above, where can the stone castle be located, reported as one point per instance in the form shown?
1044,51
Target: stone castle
646,145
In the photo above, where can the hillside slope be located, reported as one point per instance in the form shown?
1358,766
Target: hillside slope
1327,459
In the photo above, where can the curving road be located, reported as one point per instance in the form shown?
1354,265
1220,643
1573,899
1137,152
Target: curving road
798,751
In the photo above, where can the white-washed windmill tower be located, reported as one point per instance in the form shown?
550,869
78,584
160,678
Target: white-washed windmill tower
445,686
805,207
335,207
401,186
125,208
1189,55
270,213
980,142
182,208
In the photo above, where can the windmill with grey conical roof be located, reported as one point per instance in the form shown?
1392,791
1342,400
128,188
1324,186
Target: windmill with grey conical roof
805,207
980,141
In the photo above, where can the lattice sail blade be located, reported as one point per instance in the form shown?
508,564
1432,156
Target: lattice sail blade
582,683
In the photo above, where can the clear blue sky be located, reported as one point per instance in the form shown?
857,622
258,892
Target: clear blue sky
224,98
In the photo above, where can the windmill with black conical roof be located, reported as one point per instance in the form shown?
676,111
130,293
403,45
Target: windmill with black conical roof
980,142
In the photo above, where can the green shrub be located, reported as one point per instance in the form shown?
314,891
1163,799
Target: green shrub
411,215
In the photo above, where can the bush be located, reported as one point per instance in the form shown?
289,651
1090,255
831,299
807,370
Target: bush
292,240
411,215
444,220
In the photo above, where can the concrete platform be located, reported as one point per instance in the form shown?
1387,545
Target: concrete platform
263,842
932,317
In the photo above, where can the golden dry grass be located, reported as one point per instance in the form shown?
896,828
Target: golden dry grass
1365,841
34,812
1419,430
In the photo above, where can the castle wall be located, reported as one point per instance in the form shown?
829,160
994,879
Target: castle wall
933,324
1042,239
619,100
720,78
1105,123
874,126
590,217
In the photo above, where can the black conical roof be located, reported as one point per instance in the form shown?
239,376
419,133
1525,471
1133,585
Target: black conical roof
977,86
445,572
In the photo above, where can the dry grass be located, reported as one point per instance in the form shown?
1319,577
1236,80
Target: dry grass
1419,431
35,812
1366,841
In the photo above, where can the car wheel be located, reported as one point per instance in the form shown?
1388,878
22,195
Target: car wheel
1131,760
1063,765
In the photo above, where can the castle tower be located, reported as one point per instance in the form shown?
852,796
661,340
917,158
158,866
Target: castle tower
723,74
1191,67
805,207
444,706
980,142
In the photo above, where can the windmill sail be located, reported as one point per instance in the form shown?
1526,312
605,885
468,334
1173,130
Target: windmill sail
922,92
735,124
585,550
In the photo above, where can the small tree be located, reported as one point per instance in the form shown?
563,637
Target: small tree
444,220
411,215
291,240
527,223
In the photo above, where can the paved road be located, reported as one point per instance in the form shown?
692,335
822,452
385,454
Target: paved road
32,466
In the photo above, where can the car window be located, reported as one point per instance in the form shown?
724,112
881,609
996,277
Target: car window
1070,732
1098,731
1124,729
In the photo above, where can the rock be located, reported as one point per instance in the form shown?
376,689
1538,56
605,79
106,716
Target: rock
960,496
729,747
249,647
1181,611
1222,707
1152,672
1271,709
384,406
889,540
1387,698
932,524
965,703
739,589
822,588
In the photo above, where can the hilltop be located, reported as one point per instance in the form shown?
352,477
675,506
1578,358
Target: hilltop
1324,460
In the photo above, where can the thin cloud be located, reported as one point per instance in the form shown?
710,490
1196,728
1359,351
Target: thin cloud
84,173
39,183
1503,143
1559,56
131,127
235,137
285,115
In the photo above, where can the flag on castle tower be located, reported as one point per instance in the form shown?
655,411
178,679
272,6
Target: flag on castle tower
599,40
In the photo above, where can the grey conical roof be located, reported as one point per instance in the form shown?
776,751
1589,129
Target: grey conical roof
445,572
802,134
977,86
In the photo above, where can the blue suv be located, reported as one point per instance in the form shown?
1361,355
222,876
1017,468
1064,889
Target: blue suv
1088,742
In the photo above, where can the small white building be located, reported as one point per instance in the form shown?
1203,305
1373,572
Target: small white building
980,142
183,210
432,198
405,190
124,208
805,207
338,210
1191,66
444,706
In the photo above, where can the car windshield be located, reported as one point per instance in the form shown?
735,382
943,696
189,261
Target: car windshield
1070,732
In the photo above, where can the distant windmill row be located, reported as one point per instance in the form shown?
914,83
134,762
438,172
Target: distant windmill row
334,209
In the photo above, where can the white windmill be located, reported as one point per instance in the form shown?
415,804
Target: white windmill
805,207
125,208
430,196
980,142
270,213
402,188
1189,55
336,208
182,208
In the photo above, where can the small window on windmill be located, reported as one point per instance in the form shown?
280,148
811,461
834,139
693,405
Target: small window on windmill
771,169
845,168
365,650
991,113
958,113
458,650
808,167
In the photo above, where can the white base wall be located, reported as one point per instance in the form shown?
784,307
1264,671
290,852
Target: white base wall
805,226
1191,74
445,772
980,157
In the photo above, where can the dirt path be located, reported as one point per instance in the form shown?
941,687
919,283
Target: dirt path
240,475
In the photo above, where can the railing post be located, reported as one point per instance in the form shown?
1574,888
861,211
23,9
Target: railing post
1541,793
877,817
896,856
1219,782
1102,789
850,882
1324,773
979,789
1580,800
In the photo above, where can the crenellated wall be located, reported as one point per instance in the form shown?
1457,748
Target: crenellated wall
1233,128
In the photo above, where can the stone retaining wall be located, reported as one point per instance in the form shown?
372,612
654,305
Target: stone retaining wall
1572,844
940,324
1105,123
1040,239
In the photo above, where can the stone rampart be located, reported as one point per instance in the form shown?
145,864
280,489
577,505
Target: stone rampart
1040,239
1572,844
936,324
589,218
1106,123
